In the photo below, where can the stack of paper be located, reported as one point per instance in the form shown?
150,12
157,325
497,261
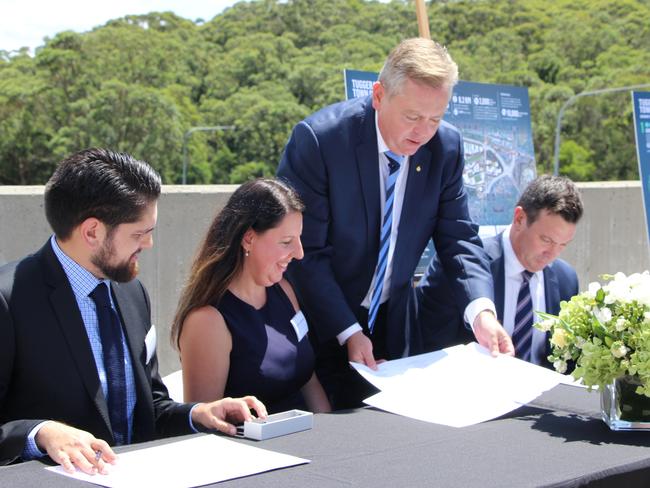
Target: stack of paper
193,462
458,386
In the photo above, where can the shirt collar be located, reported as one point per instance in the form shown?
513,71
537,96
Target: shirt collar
381,144
382,148
81,280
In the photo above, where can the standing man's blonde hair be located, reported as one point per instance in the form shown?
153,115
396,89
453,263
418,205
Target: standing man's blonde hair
421,60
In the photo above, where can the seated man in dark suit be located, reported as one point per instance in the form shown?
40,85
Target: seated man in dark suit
78,367
527,274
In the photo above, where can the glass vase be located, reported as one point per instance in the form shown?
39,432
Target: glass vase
622,407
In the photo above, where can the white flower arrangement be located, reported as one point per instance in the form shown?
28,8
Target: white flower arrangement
604,331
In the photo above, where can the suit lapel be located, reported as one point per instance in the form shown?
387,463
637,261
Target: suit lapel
498,268
131,318
72,328
368,164
134,326
551,291
552,299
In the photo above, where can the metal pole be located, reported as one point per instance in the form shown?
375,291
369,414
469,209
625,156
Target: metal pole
570,101
423,19
186,137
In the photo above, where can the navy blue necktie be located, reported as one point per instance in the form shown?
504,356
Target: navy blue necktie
110,333
522,334
375,297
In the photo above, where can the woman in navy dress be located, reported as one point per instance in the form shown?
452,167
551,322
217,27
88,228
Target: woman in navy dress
238,326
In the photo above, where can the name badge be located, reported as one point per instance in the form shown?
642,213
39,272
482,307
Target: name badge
300,325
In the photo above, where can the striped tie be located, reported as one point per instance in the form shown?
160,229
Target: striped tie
394,165
522,333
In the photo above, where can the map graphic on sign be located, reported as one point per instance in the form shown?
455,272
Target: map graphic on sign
498,142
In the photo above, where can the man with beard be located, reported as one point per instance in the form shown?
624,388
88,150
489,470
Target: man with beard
78,368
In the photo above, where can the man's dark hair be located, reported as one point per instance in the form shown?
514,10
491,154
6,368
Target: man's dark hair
556,194
110,186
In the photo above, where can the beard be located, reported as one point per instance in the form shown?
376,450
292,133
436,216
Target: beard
121,272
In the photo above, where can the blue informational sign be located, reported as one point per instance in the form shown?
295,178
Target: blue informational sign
498,141
641,103
358,83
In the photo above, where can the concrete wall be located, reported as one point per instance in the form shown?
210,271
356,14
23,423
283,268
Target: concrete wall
611,237
612,234
184,213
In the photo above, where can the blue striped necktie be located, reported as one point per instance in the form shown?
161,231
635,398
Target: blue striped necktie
522,333
110,333
394,165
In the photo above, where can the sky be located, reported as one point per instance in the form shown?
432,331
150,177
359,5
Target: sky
27,22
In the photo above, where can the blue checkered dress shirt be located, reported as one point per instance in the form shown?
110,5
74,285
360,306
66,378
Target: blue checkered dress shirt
83,282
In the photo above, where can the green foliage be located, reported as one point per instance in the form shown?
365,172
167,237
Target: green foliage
604,331
576,161
139,83
250,171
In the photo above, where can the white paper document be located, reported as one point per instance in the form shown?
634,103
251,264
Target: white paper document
184,464
458,386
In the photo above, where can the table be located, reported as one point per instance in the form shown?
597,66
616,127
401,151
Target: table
557,440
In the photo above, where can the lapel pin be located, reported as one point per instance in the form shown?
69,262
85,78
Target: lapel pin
418,168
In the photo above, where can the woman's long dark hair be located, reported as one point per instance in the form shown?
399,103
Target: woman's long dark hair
259,205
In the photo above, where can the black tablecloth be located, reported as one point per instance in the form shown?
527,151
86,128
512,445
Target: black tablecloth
557,440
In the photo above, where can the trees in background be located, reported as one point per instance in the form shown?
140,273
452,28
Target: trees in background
140,82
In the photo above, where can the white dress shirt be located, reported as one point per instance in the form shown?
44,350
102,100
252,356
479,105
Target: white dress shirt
513,279
512,282
398,200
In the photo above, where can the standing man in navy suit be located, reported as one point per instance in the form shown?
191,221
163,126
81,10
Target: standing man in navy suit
380,176
544,223
78,364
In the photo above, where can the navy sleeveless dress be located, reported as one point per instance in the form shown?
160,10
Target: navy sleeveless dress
266,360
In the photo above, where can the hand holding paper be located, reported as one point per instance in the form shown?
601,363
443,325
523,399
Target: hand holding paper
360,350
491,335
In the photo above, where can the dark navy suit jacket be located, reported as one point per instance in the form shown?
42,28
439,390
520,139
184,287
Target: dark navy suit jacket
47,368
332,160
560,284
442,325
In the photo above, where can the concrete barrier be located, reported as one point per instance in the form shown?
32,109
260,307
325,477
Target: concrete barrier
611,237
